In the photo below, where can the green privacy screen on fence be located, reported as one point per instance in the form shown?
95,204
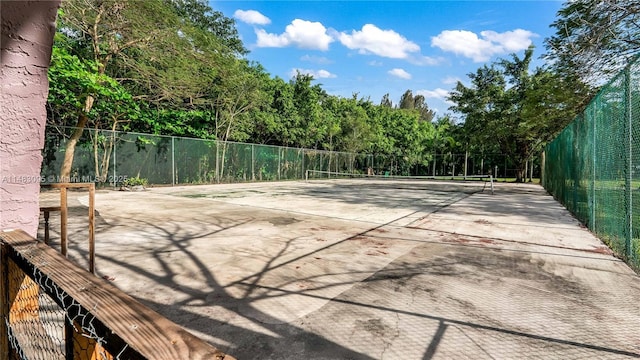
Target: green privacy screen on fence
593,166
104,156
110,157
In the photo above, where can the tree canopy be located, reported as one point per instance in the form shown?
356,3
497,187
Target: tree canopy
179,68
513,109
595,39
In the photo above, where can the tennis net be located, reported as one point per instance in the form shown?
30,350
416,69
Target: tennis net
470,184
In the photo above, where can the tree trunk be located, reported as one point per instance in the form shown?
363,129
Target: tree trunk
435,159
103,173
70,147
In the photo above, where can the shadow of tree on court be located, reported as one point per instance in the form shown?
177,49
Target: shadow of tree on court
275,336
229,315
246,331
429,197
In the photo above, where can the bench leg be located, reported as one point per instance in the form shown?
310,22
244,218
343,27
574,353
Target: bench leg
46,227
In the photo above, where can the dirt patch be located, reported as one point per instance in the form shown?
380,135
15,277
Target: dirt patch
458,239
374,326
283,221
601,250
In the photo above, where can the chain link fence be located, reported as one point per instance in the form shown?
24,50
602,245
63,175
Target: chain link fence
44,322
104,156
111,157
593,166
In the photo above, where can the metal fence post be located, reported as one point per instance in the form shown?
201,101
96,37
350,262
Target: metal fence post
628,189
115,162
466,159
301,151
593,169
173,161
543,167
217,142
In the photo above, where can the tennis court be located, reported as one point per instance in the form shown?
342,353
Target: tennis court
368,269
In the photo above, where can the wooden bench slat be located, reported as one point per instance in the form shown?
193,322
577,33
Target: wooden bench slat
144,330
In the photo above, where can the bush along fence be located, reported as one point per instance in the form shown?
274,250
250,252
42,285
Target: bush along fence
593,166
112,157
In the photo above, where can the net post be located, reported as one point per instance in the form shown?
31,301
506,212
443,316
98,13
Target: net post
306,176
491,181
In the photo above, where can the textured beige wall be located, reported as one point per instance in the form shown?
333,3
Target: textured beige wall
25,52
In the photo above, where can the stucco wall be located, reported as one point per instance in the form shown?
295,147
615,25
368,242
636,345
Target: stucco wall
25,51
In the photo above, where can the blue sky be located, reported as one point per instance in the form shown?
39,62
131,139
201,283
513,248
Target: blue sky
378,47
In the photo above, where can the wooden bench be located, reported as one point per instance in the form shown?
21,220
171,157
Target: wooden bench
105,319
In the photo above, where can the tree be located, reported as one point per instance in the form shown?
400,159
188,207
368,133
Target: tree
169,54
515,109
278,121
308,100
100,31
594,38
420,104
410,102
353,125
78,90
555,99
400,135
406,101
481,104
235,93
210,21
386,101
442,141
493,111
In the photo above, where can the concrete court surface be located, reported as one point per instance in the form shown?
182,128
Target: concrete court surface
296,270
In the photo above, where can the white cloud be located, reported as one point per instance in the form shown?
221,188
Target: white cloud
316,59
451,80
399,73
426,60
490,43
373,40
439,93
510,41
317,74
374,63
300,33
251,17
